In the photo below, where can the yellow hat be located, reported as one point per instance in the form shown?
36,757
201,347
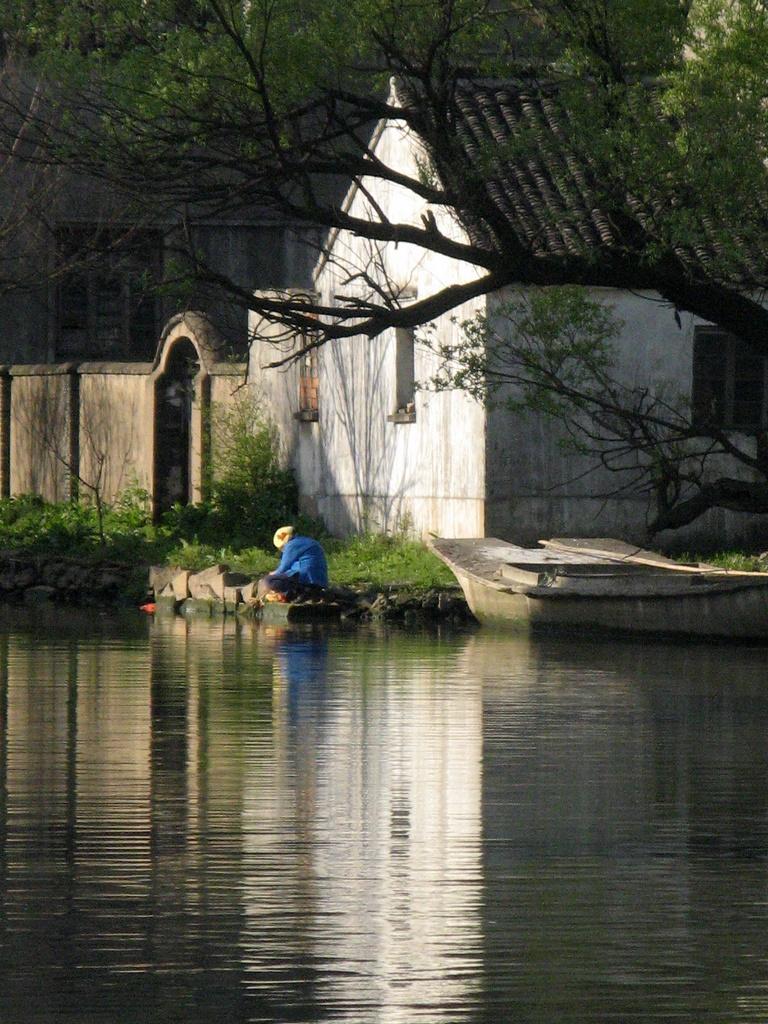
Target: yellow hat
282,536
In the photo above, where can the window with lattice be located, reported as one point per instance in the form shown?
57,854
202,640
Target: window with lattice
107,307
729,382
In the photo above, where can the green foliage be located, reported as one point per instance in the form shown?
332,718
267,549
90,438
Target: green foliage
252,492
70,530
662,101
554,345
29,523
742,561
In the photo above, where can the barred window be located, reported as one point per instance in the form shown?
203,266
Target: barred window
728,382
107,307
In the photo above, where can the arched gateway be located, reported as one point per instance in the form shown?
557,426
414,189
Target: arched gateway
175,397
189,353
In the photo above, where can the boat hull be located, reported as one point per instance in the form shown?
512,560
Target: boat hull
734,613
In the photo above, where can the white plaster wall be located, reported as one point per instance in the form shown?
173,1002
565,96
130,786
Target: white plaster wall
374,473
276,390
355,467
459,469
537,490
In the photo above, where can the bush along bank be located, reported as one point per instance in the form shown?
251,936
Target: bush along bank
217,590
67,553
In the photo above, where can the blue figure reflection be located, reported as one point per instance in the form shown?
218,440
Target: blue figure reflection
303,662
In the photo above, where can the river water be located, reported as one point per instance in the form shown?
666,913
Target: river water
209,822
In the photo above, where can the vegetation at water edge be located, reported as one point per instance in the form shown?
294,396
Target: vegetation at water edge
196,536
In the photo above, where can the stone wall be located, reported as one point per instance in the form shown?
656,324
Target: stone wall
70,428
39,578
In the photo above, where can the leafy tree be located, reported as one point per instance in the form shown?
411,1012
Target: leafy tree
656,106
201,105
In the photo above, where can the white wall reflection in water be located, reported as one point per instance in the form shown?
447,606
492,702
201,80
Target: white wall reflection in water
380,777
204,820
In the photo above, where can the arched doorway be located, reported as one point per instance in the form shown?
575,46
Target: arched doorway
175,401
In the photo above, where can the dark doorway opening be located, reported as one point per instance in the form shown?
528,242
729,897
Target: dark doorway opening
173,427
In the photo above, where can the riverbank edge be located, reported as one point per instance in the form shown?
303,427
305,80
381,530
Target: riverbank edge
216,591
31,579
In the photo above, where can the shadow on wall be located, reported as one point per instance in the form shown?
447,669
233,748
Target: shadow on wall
113,436
363,471
43,433
76,432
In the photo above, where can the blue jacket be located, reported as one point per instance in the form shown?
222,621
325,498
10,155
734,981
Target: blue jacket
304,558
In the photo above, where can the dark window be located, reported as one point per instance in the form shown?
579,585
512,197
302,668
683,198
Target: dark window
405,384
107,307
308,383
728,381
405,380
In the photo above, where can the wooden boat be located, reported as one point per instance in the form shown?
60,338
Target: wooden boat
601,584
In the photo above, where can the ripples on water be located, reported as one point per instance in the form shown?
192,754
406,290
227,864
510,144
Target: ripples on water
201,822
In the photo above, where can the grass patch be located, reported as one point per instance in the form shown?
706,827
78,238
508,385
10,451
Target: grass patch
30,525
738,560
379,559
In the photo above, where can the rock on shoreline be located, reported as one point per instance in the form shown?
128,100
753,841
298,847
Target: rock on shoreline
38,579
217,591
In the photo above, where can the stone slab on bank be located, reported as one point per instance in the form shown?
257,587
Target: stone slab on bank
43,579
218,591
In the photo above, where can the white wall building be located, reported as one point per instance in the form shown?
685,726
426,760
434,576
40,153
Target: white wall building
371,451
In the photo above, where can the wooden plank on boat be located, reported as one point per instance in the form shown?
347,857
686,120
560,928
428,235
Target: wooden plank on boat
604,547
609,547
516,574
648,584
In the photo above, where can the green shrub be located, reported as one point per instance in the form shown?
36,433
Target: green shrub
252,493
29,522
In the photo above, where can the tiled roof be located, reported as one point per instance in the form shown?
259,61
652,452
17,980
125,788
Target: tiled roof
543,192
547,189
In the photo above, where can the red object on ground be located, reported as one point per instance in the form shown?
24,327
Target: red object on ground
150,608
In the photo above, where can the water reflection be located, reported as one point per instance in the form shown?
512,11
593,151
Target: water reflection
625,798
380,875
205,821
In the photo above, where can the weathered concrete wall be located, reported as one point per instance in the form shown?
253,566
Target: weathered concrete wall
69,428
538,488
43,430
116,427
